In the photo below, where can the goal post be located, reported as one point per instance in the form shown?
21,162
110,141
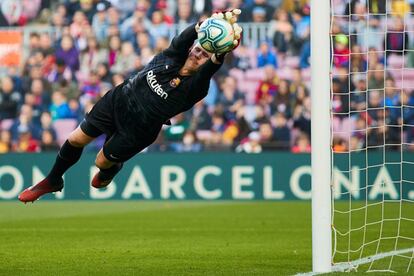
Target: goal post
320,136
362,90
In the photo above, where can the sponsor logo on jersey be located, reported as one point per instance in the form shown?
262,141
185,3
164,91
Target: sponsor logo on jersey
155,86
175,82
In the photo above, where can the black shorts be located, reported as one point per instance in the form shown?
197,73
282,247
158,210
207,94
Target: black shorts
122,142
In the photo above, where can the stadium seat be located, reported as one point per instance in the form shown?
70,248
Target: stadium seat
285,73
396,61
292,62
347,128
252,54
306,75
336,124
203,135
254,74
237,74
6,124
63,128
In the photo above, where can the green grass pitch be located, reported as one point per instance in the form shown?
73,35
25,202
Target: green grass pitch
155,238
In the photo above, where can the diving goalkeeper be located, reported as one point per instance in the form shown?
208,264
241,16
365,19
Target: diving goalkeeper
132,113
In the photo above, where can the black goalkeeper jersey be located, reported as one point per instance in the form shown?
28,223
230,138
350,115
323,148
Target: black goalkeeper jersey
158,92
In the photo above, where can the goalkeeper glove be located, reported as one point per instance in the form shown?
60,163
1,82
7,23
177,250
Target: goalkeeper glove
230,17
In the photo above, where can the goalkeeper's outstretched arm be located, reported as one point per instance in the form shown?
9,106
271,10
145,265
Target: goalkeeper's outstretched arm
181,44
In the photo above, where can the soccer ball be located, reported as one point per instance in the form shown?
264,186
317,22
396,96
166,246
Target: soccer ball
216,35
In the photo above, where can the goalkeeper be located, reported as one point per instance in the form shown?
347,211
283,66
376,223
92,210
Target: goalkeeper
132,114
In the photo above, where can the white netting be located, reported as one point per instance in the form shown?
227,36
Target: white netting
372,76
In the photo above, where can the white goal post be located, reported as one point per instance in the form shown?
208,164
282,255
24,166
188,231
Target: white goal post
320,136
362,90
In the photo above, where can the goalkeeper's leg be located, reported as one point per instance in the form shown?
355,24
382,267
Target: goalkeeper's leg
120,147
107,170
68,155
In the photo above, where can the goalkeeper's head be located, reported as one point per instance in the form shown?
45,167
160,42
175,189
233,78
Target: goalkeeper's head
197,56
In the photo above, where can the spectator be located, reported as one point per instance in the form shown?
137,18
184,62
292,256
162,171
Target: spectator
358,62
302,144
5,141
41,95
100,23
242,58
9,99
355,144
267,139
230,98
114,49
301,22
282,100
199,117
397,38
88,8
25,142
102,69
376,77
339,145
369,37
68,53
189,143
185,15
265,9
162,7
304,56
125,61
60,108
48,142
23,123
302,117
281,131
341,51
92,88
400,8
79,22
251,144
268,87
340,99
266,56
161,44
297,84
60,72
143,41
157,27
282,32
91,57
358,97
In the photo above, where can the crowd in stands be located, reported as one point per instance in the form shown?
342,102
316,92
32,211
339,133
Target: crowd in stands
258,101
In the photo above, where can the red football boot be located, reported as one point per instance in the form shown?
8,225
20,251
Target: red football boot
99,183
43,187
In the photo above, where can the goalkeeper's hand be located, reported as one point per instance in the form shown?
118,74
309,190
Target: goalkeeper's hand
230,17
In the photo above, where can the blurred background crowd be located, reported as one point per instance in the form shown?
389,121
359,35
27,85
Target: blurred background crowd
258,101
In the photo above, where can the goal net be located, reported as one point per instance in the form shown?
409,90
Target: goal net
372,135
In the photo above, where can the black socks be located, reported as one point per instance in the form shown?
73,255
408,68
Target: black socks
108,174
67,156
